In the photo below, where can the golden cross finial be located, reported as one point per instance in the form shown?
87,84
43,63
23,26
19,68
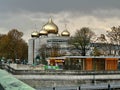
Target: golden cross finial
50,19
65,26
35,27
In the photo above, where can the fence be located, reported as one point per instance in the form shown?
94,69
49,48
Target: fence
58,72
84,87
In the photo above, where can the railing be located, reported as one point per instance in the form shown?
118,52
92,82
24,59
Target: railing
57,72
68,72
84,87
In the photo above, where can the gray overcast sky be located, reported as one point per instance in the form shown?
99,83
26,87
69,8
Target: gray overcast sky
56,5
28,15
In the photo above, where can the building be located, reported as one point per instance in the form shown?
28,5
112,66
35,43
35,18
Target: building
49,45
91,63
55,44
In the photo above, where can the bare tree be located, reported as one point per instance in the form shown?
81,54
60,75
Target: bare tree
43,53
81,40
101,39
102,45
114,39
54,50
96,52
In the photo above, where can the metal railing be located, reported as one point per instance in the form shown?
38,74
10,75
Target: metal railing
84,87
58,72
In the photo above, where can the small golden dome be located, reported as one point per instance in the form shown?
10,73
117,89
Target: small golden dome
50,27
43,32
65,33
35,34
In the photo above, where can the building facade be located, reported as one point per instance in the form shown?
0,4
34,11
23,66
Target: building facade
49,45
48,37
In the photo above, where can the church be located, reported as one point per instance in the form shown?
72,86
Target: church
51,46
48,37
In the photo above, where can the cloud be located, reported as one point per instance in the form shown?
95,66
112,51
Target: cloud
98,20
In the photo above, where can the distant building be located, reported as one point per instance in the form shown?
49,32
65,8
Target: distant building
49,45
106,49
50,37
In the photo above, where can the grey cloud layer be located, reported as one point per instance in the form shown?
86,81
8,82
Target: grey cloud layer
29,15
56,5
29,21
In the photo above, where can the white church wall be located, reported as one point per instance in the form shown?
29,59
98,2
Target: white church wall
30,51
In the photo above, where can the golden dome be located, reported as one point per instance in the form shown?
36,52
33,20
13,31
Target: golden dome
35,34
50,27
43,32
65,33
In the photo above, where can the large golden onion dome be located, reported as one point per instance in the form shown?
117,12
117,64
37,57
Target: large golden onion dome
35,34
50,27
43,32
65,33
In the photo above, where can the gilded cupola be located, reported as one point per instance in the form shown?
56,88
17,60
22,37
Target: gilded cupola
51,27
35,34
65,32
43,32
